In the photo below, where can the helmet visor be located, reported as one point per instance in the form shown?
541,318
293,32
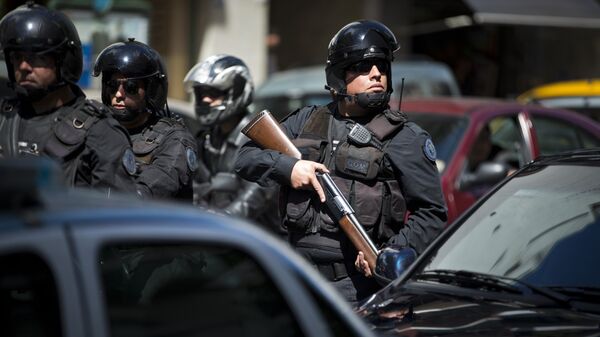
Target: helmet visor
201,91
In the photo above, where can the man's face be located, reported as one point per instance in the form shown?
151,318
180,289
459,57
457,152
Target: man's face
368,76
209,96
33,70
126,93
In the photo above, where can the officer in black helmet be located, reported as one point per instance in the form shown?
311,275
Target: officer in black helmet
222,87
135,86
48,115
384,179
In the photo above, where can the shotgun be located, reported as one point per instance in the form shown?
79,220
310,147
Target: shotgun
264,130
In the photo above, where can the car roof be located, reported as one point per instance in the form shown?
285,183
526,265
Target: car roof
36,200
454,105
579,157
34,193
572,88
471,106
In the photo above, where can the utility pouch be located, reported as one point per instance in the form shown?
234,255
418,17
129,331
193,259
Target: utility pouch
143,150
358,162
299,216
68,135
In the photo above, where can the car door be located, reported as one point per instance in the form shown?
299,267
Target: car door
39,293
170,279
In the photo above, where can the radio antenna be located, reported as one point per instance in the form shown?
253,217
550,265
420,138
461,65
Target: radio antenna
401,91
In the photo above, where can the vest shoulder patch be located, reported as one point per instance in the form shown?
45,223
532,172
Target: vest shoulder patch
429,150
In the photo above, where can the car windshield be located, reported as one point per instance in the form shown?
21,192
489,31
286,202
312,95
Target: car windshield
542,228
446,132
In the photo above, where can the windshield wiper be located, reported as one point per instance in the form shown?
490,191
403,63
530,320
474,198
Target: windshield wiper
467,279
479,280
586,293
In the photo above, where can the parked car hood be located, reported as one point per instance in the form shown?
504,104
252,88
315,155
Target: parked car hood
420,310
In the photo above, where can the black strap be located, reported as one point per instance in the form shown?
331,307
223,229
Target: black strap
386,123
333,271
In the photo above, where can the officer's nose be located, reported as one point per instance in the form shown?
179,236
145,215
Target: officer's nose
374,73
207,99
120,93
23,64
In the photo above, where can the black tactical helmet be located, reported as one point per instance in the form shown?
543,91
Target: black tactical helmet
134,60
357,41
38,29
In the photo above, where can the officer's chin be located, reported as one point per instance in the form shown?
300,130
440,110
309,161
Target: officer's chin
30,91
123,115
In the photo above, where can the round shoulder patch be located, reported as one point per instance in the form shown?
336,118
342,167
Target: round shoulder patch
429,150
128,161
192,159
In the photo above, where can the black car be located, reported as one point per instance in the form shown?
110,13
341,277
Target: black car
524,261
76,263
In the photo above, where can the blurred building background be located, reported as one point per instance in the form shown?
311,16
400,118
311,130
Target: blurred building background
494,47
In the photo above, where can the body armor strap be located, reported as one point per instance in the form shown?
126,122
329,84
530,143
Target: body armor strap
152,136
9,127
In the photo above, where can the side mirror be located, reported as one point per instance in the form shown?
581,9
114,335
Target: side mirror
488,173
391,263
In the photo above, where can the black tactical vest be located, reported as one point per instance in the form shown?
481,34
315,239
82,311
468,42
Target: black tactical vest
362,173
69,131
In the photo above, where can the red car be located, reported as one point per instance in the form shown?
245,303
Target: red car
480,141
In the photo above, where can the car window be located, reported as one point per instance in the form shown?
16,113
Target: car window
28,297
555,136
175,290
591,112
552,241
498,141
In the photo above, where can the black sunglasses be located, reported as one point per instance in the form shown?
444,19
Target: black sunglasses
365,66
131,86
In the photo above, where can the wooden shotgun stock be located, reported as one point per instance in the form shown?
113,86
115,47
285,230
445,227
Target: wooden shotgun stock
264,130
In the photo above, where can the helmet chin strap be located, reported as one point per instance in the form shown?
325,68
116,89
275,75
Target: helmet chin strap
124,115
368,101
373,101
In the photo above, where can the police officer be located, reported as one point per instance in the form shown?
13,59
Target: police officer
386,170
223,89
135,86
48,114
